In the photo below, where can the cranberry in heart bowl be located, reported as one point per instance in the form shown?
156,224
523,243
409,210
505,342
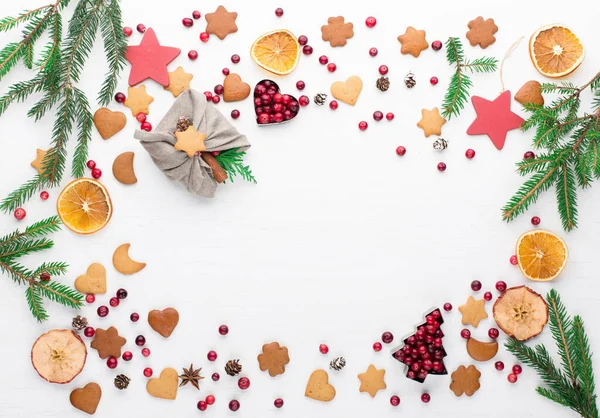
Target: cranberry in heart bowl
271,106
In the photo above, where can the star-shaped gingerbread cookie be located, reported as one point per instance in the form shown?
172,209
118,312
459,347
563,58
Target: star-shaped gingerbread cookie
273,358
39,159
465,380
336,31
473,311
190,141
108,343
431,122
221,22
372,381
413,42
138,100
179,81
481,32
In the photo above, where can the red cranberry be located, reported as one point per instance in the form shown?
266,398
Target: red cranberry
102,311
122,293
96,173
90,298
323,59
331,67
209,95
187,22
278,403
244,383
225,71
323,349
383,69
487,296
44,195
529,155
434,80
416,366
215,377
303,100
146,126
387,337
127,31
307,50
377,347
389,116
134,317
411,375
436,314
363,125
202,405
512,378
470,154
263,118
278,117
373,52
193,55
333,105
212,355
146,352
500,286
377,115
370,22
45,276
235,58
395,400
234,405
466,334
516,369
219,89
436,45
499,366
302,40
513,260
300,85
400,150
89,332
141,117
210,399
223,330
447,307
196,14
91,164
535,221
114,302
140,340
493,333
441,166
141,28
425,398
147,372
475,285
120,97
204,36
127,355
216,99
279,12
112,363
437,343
235,114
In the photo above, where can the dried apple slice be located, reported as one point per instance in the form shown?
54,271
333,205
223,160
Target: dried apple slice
521,313
58,356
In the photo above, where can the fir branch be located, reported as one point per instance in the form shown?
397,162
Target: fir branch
115,48
16,198
529,192
9,23
18,92
232,162
566,196
36,304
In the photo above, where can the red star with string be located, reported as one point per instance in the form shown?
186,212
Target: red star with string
494,118
149,60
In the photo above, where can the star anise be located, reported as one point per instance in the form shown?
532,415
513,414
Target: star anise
192,376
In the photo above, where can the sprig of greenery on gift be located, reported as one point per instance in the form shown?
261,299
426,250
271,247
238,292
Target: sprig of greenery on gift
39,281
571,141
458,92
571,385
57,72
232,162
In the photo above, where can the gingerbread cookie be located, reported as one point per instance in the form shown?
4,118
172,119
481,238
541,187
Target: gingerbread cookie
372,381
93,281
413,42
179,81
431,122
138,100
109,123
122,168
465,380
473,311
163,322
336,31
481,32
221,22
481,351
123,263
165,386
530,92
234,89
39,160
318,387
108,343
347,91
87,398
273,358
191,141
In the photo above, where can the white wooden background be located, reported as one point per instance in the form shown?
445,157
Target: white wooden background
339,241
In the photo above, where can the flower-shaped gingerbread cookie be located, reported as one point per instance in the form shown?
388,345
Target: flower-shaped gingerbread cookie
108,343
465,381
273,358
336,31
481,32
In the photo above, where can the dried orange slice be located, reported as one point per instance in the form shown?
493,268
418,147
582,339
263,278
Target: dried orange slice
541,255
555,51
84,206
277,52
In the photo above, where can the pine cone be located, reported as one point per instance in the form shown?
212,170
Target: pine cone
233,367
320,99
183,123
383,83
79,323
440,144
409,80
337,363
122,381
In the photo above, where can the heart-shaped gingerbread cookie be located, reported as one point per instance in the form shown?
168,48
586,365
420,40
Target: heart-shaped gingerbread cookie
108,122
163,322
165,386
347,91
234,89
271,106
87,398
93,281
318,387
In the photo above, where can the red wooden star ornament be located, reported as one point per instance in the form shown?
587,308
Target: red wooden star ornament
494,118
149,60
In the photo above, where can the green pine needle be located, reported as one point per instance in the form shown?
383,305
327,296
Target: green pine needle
232,162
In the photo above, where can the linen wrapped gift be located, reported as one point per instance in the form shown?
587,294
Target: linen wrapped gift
185,153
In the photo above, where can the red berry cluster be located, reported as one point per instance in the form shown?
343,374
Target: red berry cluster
271,106
512,377
96,172
423,352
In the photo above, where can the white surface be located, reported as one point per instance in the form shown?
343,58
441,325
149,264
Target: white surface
339,241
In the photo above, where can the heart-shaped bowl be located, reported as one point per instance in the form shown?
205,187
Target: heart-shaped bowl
272,107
